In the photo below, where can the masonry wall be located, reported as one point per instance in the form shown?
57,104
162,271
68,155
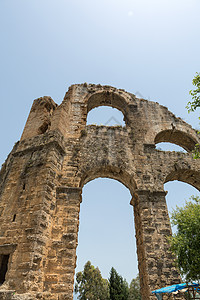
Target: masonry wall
42,179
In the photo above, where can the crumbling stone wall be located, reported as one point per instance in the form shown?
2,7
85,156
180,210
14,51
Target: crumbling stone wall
42,180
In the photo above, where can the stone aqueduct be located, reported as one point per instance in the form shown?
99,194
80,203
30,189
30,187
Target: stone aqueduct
42,179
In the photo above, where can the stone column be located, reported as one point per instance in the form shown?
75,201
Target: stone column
27,209
61,261
156,263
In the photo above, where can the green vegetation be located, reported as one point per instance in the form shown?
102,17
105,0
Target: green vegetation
91,286
185,243
193,105
118,286
134,289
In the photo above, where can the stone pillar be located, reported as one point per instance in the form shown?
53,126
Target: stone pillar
61,260
27,208
156,263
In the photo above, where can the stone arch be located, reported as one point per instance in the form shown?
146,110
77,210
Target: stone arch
178,137
101,197
111,172
122,176
108,98
189,176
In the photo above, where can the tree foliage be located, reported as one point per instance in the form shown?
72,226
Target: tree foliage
118,286
90,284
185,243
134,289
193,105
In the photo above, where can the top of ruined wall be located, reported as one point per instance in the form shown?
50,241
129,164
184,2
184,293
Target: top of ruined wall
150,122
127,153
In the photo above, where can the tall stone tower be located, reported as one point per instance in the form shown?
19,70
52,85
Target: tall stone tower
42,180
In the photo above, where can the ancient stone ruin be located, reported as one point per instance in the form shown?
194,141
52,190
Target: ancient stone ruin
42,180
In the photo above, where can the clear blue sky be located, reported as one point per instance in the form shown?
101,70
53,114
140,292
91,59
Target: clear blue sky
147,47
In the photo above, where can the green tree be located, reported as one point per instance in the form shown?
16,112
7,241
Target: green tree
118,286
194,104
185,243
90,284
134,289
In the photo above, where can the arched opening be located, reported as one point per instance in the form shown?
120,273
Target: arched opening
176,137
178,193
106,116
111,172
106,229
100,104
164,146
185,175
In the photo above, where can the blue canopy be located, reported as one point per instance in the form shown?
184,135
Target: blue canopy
174,288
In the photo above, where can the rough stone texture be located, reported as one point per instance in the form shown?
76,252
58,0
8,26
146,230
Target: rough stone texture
42,179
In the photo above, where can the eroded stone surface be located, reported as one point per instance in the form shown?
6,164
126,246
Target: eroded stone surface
42,180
